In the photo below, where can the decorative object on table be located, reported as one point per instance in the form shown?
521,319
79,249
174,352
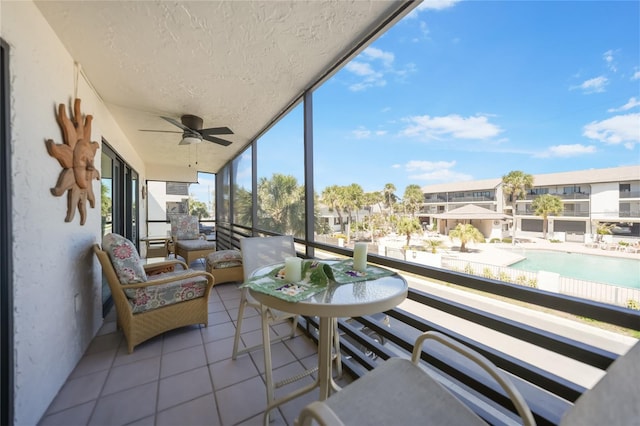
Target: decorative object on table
75,155
225,266
292,269
148,305
316,276
188,242
360,257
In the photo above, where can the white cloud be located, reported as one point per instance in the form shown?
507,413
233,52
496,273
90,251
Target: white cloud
632,103
608,58
440,171
636,76
371,67
360,68
623,129
361,133
414,165
593,85
436,5
566,151
372,53
475,127
380,132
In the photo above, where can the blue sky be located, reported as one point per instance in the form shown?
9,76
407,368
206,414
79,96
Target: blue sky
466,90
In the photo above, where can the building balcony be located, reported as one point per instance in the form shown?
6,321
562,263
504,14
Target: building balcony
187,376
629,194
572,196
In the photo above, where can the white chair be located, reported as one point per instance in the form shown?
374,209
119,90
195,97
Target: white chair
420,399
400,392
256,253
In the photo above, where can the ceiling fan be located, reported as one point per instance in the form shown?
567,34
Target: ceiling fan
192,131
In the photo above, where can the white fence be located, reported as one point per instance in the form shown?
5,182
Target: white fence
599,292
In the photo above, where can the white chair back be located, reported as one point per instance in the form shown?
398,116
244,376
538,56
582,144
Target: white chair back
262,251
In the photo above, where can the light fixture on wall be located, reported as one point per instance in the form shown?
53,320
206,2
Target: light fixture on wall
189,138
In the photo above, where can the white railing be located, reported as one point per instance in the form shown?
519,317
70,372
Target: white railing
600,292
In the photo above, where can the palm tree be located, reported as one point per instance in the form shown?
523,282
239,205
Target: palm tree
350,198
546,205
515,184
412,199
407,226
466,233
281,205
369,200
198,208
331,198
433,244
390,197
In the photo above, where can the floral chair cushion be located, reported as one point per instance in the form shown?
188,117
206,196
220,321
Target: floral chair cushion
148,298
185,227
224,259
125,259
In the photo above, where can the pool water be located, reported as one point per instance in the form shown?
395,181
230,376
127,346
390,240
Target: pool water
602,269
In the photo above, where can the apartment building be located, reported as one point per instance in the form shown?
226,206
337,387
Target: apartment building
589,197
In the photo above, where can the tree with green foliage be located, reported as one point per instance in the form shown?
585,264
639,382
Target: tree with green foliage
515,185
281,205
466,233
433,244
407,226
544,206
412,199
331,197
198,208
351,201
242,207
105,198
390,197
369,200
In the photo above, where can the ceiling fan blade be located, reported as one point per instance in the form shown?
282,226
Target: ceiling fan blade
159,131
216,140
177,123
216,131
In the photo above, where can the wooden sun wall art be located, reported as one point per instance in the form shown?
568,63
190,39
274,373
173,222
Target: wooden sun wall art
76,156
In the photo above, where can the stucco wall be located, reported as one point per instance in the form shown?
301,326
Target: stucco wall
605,200
53,261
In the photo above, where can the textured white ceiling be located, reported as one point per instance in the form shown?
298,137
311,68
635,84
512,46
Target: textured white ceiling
233,63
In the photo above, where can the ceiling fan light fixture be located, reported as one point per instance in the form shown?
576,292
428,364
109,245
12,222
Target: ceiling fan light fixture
190,139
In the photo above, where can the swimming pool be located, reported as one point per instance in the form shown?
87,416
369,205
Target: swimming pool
603,269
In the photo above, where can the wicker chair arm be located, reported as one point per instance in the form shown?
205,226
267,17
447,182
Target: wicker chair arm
157,265
173,278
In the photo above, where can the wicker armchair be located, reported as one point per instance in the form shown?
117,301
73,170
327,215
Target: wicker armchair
148,305
188,242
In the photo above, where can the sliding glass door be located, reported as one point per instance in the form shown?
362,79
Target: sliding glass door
119,204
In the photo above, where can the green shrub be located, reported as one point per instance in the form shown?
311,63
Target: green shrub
468,269
533,282
494,240
505,277
633,304
555,241
507,240
486,272
521,279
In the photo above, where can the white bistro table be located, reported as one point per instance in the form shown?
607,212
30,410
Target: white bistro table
337,301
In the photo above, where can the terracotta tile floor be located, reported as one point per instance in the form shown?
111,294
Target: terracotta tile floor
183,377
